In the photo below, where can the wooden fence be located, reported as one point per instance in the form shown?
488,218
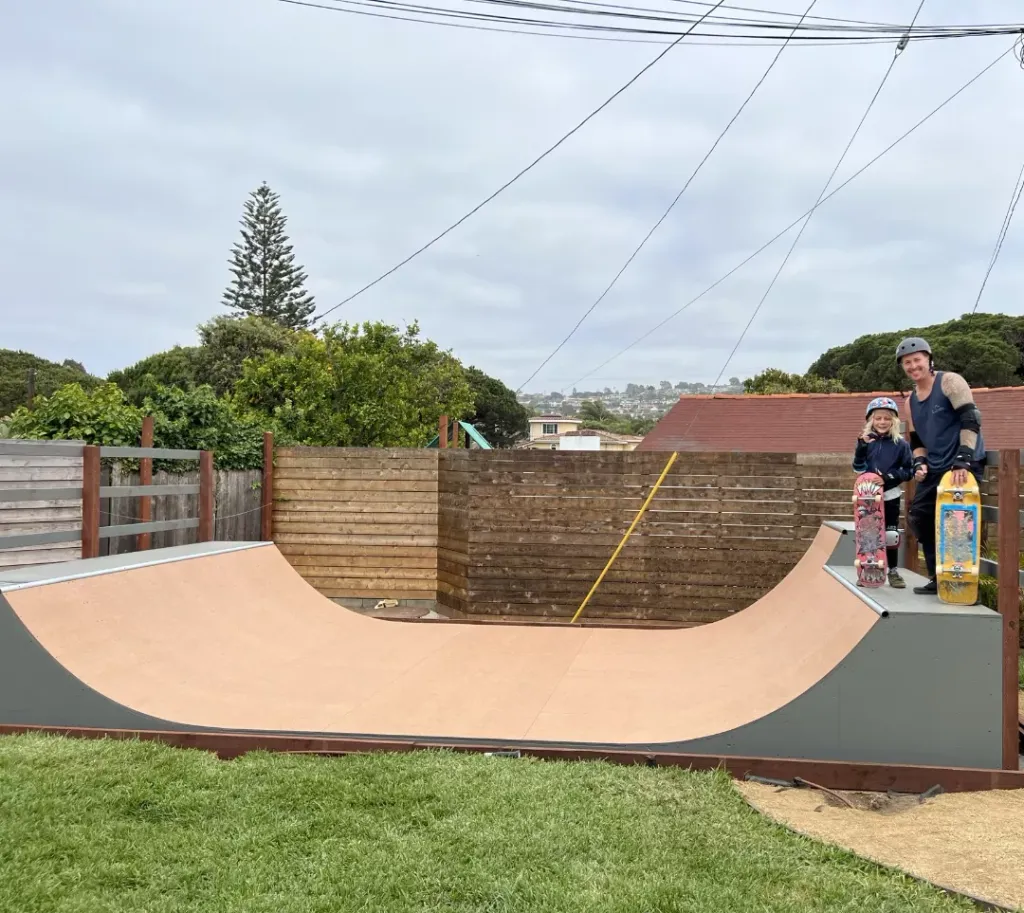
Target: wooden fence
508,534
57,469
237,499
514,534
55,522
528,533
359,524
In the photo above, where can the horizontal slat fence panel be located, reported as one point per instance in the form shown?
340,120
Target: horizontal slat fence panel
40,465
538,527
514,534
236,507
359,523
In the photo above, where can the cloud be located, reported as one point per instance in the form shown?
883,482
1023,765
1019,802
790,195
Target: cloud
134,132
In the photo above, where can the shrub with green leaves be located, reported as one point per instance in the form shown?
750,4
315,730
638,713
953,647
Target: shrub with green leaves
99,416
195,419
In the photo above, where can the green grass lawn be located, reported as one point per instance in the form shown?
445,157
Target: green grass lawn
138,827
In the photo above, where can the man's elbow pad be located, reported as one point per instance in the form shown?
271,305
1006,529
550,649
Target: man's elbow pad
915,440
970,417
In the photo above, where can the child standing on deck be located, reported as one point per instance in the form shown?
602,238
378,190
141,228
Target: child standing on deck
881,449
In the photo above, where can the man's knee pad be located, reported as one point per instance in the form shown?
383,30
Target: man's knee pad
892,538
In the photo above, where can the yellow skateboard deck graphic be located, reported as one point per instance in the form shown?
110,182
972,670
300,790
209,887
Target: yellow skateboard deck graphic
958,540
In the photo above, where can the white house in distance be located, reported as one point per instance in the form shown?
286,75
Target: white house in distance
556,432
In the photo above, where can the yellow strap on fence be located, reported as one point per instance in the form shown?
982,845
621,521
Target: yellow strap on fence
629,531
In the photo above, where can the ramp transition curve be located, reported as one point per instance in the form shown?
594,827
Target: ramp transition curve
227,637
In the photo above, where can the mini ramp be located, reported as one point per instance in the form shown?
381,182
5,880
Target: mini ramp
228,638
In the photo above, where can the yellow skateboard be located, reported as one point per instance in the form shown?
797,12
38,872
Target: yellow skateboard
958,540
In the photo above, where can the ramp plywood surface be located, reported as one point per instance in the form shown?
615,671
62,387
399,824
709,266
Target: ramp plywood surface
238,640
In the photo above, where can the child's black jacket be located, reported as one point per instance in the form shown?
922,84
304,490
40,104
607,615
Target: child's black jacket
892,460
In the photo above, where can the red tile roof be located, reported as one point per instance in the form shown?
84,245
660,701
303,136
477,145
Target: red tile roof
808,422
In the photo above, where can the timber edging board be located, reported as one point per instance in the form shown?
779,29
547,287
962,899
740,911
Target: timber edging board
831,774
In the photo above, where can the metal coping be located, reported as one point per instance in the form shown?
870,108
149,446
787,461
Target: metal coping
921,606
113,564
875,607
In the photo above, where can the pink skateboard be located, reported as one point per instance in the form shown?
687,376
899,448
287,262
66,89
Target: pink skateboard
869,530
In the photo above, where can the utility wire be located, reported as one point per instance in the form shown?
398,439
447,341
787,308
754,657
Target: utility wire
796,221
664,216
508,183
604,36
885,78
530,9
1018,188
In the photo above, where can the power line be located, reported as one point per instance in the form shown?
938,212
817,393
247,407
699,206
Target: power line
508,183
885,78
657,224
899,50
387,9
796,221
604,36
1018,188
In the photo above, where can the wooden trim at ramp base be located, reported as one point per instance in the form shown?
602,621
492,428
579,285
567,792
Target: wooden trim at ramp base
866,777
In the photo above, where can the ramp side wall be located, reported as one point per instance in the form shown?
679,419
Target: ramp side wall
919,689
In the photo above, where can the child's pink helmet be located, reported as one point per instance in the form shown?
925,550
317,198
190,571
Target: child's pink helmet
882,402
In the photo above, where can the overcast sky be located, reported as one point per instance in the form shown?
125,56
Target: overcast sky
132,133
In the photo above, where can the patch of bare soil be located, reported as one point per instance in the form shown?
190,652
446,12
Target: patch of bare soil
968,842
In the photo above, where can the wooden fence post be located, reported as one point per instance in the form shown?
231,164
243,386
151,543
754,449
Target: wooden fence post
267,500
90,501
206,496
1008,578
144,540
442,431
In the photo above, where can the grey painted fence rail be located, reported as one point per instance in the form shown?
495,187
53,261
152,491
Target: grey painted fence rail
43,489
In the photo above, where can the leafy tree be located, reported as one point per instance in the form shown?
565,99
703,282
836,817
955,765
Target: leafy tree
267,280
99,416
49,376
177,367
496,413
358,387
198,419
597,416
985,348
190,420
773,380
224,344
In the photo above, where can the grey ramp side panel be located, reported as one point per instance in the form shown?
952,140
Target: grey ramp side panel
37,690
917,689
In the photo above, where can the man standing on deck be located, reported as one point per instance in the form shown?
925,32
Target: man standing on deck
945,434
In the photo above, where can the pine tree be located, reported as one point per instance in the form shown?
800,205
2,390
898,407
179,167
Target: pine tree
267,281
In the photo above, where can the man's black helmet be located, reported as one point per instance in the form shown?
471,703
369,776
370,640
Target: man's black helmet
912,344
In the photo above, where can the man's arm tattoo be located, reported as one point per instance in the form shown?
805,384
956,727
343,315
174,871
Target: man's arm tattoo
959,393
